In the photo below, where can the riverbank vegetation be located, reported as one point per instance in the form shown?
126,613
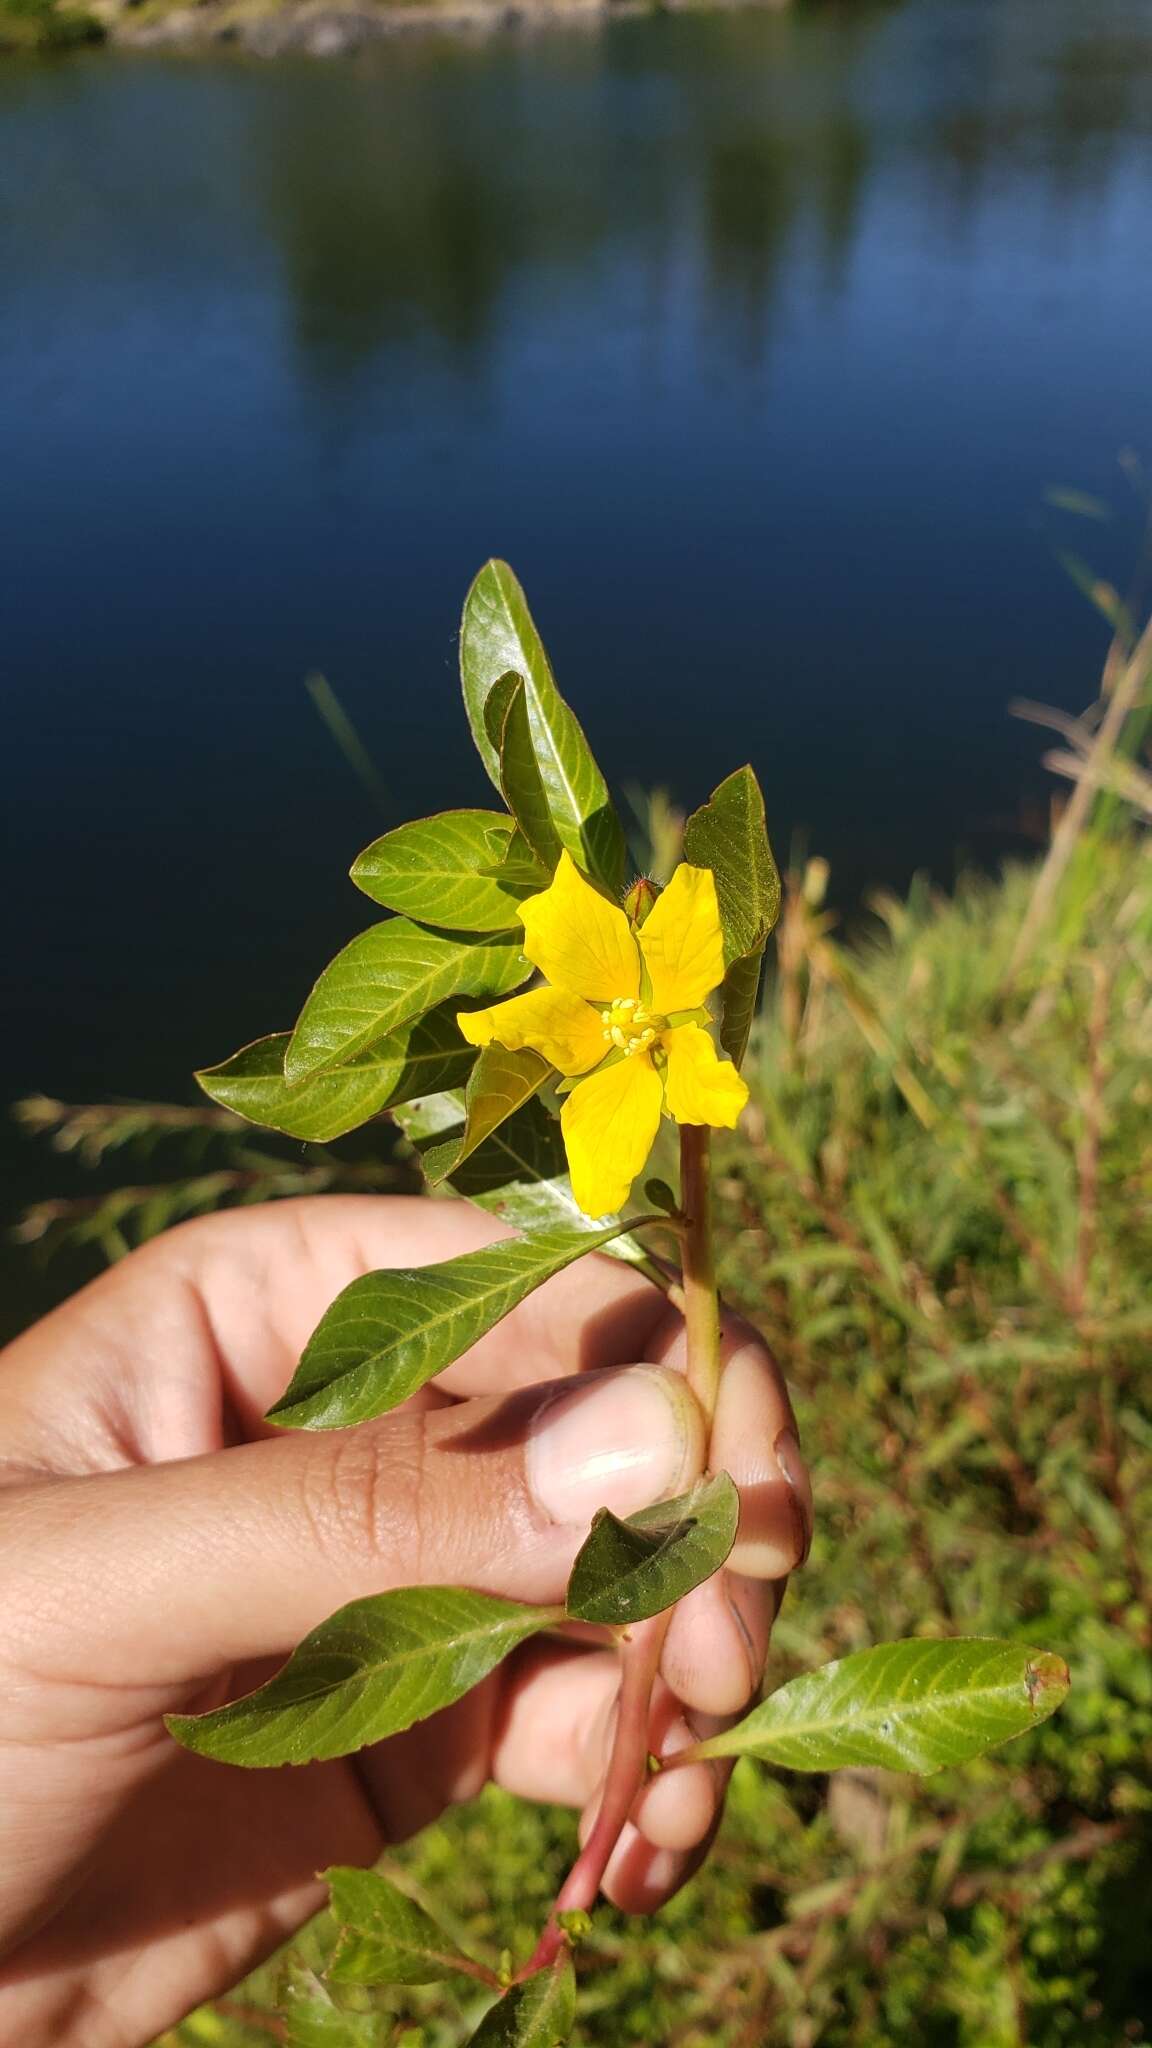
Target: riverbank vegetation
44,26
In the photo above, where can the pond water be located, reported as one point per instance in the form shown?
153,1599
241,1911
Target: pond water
754,341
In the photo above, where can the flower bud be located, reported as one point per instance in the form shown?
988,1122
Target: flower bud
640,899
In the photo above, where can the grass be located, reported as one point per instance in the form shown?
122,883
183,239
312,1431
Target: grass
41,27
940,1213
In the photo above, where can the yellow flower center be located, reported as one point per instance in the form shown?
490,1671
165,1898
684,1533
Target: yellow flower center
630,1027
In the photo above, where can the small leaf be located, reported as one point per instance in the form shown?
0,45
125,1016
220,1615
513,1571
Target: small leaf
500,1083
538,2014
390,1332
739,991
521,783
391,975
911,1706
368,1672
661,1196
314,2020
497,634
729,835
520,1173
418,1058
445,871
630,1569
385,1937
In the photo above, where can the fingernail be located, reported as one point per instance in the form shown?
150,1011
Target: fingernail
618,1440
795,1473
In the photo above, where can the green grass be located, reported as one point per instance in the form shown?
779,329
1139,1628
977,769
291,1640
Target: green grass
43,27
941,1214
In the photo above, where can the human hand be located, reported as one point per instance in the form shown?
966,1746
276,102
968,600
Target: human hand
164,1548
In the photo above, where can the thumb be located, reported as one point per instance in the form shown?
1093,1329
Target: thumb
178,1570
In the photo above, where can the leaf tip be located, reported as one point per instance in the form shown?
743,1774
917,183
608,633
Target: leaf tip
1047,1681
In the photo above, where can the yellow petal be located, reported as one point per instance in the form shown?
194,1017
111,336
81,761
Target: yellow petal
563,1029
578,941
682,942
699,1087
609,1123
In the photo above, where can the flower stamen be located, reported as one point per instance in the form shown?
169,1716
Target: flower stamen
629,1026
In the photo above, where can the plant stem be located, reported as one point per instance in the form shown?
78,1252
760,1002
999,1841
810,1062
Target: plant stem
643,1643
701,1308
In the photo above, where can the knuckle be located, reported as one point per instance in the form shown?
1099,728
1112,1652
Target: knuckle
363,1499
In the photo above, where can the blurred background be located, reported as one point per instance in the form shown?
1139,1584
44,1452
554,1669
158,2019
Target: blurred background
798,360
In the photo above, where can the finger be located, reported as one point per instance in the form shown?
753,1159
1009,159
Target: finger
194,1565
641,1878
717,1641
754,1439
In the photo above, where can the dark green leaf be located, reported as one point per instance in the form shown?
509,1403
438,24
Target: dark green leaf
521,783
738,993
520,1173
313,2020
538,2014
520,868
500,1083
728,834
910,1706
389,976
368,1672
497,635
440,872
385,1937
390,1332
427,1055
630,1569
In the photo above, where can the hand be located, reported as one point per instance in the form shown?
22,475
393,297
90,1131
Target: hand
164,1548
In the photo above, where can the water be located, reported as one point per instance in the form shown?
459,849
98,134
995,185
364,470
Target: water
754,341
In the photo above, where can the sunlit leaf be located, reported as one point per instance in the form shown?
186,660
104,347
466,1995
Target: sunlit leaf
630,1569
385,1937
389,976
390,1332
369,1671
439,871
508,726
538,2014
498,635
500,1083
427,1055
729,835
909,1706
312,2019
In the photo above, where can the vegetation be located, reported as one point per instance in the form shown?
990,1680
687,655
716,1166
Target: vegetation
43,26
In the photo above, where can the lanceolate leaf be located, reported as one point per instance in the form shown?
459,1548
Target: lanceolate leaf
630,1569
500,1083
522,785
520,1173
385,1937
497,635
728,834
389,1332
439,871
538,2014
367,1672
429,1054
389,976
738,993
911,1706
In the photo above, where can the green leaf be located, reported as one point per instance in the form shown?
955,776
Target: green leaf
520,1173
440,872
508,727
500,1083
313,2020
497,634
385,1937
390,1332
538,2014
391,975
911,1706
427,1055
630,1569
366,1673
729,835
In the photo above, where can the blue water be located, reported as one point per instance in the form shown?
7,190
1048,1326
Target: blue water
754,341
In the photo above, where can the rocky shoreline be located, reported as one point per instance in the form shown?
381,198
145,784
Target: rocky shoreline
334,28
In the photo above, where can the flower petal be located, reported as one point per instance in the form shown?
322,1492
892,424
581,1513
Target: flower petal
567,1031
578,941
682,943
700,1087
609,1123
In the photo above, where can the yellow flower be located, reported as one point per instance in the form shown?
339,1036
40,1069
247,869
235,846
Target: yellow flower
623,1011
